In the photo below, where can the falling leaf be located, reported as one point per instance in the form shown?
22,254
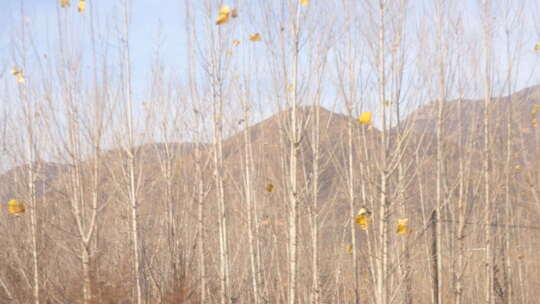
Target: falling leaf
304,2
65,3
365,118
228,52
16,207
348,248
255,37
362,218
537,47
223,16
18,73
290,88
387,103
269,187
534,122
234,13
517,167
402,227
236,43
82,6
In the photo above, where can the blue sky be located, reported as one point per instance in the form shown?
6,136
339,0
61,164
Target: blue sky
166,17
149,18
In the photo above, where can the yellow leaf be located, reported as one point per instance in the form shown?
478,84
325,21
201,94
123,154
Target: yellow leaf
362,218
269,187
16,207
224,13
18,73
402,227
304,2
225,9
534,122
255,37
65,3
362,221
348,248
236,43
82,6
222,19
537,47
387,103
228,52
290,88
365,118
19,78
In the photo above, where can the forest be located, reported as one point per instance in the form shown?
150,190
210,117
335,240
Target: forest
283,151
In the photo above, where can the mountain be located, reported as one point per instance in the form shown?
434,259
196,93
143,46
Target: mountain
167,185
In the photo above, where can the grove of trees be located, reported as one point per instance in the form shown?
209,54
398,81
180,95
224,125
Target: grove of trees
297,151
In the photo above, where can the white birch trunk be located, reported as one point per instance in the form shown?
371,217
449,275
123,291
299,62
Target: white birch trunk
130,151
489,259
382,262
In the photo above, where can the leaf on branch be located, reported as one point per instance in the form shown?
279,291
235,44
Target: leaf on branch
365,118
403,226
16,207
255,37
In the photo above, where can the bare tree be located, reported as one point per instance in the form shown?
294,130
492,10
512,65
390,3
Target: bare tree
486,8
